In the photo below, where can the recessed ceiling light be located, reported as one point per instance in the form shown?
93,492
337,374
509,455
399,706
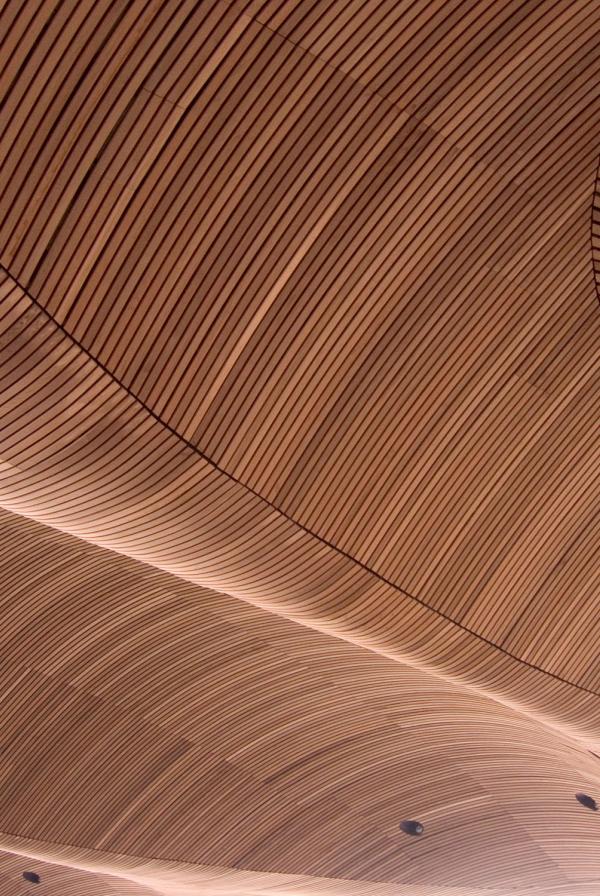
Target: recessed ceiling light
414,828
586,801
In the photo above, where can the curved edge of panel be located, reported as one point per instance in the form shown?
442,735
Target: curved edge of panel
181,879
595,231
81,454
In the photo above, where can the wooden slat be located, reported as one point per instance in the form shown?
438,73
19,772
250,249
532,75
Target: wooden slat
335,246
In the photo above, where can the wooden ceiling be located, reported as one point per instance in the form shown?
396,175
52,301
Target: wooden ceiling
299,466
149,719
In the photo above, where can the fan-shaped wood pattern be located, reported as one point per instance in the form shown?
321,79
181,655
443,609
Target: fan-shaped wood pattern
299,353
350,265
148,717
83,455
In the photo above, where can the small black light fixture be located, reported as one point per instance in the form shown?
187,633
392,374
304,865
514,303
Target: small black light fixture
414,828
587,801
31,876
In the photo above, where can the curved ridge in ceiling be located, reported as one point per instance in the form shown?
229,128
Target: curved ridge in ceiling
408,330
151,727
298,307
69,428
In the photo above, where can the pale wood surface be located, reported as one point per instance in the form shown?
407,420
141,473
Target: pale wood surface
144,716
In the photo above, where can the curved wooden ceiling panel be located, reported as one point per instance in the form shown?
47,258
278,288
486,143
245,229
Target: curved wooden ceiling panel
81,454
62,880
299,306
343,249
146,717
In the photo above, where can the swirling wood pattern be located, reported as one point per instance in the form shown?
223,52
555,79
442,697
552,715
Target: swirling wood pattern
147,717
299,362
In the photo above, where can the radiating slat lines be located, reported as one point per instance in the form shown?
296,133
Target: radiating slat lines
299,374
147,721
92,461
343,249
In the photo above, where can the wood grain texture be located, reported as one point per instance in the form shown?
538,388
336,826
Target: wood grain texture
83,455
299,479
343,249
144,716
62,880
595,227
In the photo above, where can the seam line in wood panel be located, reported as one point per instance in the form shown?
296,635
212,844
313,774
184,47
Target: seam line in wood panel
595,251
340,551
188,864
